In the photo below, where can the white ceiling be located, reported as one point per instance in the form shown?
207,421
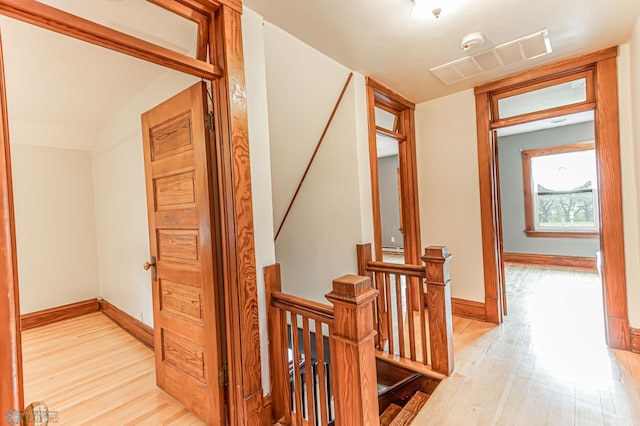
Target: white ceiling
548,123
381,38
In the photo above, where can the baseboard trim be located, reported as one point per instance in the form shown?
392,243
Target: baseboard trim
635,340
553,260
131,325
468,309
59,313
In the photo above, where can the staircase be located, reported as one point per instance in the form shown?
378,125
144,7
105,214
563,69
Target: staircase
401,393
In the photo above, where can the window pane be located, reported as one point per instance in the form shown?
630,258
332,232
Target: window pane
564,186
137,18
386,119
568,93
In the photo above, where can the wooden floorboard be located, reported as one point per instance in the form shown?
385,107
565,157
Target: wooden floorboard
546,365
91,372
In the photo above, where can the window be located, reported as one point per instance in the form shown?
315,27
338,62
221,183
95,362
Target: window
560,191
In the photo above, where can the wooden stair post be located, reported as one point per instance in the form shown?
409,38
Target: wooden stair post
353,351
278,359
436,259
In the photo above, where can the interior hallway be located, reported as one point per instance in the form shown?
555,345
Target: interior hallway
91,372
546,365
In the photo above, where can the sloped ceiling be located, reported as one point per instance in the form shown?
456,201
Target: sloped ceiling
384,40
60,91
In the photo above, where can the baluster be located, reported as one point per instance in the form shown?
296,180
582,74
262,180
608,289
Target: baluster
308,371
387,288
296,369
412,328
400,314
322,374
423,324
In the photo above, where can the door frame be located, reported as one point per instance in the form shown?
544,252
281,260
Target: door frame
603,65
220,29
380,95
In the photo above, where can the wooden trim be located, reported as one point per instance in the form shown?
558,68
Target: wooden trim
489,212
395,135
53,19
236,221
380,96
541,115
545,71
611,225
131,325
194,15
635,340
59,313
561,234
468,309
553,261
608,162
559,149
11,396
267,410
313,156
388,97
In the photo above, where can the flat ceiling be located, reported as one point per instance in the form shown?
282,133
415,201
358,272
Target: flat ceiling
383,40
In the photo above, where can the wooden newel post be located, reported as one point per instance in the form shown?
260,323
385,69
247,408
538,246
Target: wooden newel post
436,259
353,351
278,358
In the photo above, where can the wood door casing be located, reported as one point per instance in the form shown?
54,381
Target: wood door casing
179,176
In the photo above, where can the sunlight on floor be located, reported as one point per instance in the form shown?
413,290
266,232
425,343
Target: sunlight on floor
564,312
547,364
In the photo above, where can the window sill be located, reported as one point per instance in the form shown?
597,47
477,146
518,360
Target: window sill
562,234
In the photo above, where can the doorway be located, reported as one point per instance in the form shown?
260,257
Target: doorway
499,105
396,218
218,59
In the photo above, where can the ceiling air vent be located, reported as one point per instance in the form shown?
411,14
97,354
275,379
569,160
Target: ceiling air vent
513,52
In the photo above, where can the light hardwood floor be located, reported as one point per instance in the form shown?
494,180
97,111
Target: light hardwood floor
91,372
546,365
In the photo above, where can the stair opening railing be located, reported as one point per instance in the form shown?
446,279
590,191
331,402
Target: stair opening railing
322,357
422,338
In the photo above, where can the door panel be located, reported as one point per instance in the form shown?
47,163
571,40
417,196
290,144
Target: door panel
179,178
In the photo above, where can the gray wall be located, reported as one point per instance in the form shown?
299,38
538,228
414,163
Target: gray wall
512,190
389,207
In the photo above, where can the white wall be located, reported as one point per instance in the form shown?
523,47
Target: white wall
331,214
447,157
257,110
55,228
629,92
120,200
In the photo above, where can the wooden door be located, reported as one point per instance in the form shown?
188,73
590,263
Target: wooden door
179,174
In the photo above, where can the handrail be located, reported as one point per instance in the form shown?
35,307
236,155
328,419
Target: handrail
313,156
397,268
307,308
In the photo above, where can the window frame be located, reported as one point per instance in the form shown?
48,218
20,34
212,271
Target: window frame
529,198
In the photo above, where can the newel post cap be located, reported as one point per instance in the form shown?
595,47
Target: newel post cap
436,253
352,289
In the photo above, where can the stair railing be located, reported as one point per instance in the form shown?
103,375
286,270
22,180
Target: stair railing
419,339
321,357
